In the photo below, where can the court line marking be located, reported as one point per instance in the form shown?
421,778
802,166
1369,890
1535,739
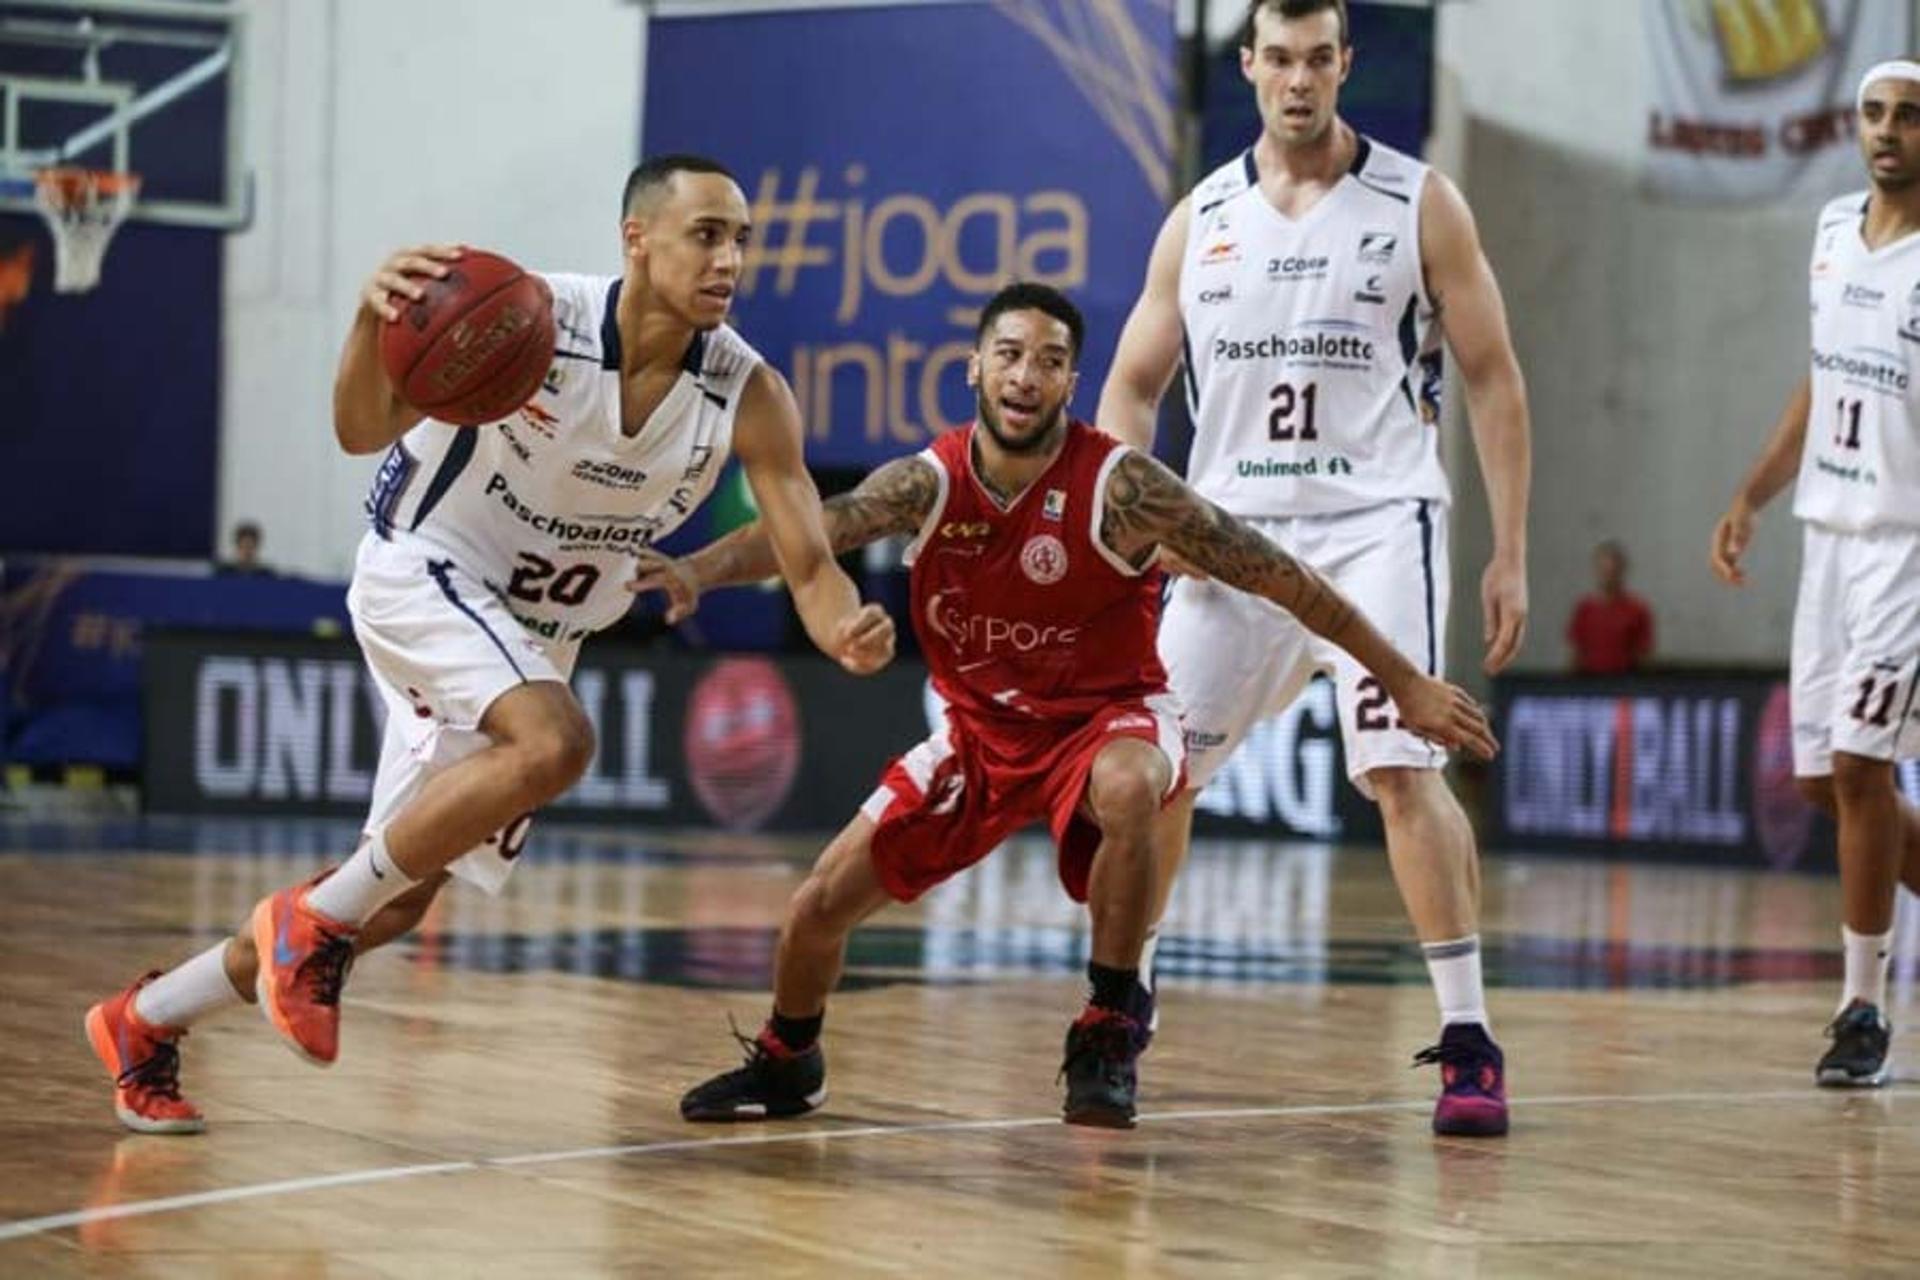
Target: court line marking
294,1186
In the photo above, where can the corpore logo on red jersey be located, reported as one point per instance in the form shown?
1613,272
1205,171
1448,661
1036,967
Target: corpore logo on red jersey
983,636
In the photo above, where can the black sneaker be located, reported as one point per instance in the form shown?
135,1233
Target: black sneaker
1102,1048
1858,1059
775,1084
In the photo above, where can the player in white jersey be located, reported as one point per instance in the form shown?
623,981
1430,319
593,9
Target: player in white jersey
1851,434
493,551
1306,287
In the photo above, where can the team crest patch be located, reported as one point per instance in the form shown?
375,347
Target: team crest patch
1044,559
1376,247
1055,505
1910,316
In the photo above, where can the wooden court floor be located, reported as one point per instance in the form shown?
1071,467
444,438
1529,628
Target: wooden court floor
505,1100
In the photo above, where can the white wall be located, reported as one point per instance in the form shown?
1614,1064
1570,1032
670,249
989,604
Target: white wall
375,125
1659,341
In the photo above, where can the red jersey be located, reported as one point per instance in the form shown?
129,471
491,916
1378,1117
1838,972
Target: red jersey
1022,612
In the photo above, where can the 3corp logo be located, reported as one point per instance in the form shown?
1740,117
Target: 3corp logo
1293,270
611,475
1044,559
1858,295
1376,247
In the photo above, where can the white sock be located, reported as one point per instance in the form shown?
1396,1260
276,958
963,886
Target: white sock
366,882
189,991
1866,967
1455,969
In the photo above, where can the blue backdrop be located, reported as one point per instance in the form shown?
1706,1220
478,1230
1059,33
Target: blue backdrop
902,164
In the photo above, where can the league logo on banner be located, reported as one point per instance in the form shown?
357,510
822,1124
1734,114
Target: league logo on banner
893,191
1754,99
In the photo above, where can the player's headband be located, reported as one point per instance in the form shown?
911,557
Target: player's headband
1898,69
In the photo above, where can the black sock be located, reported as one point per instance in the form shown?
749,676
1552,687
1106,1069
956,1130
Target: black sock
1112,988
798,1034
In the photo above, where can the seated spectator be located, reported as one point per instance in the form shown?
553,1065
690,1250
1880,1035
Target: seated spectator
1611,631
246,552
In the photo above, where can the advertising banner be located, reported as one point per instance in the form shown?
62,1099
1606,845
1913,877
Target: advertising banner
1754,99
241,724
902,163
1663,766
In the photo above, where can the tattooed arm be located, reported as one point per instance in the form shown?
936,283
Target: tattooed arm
893,500
1148,507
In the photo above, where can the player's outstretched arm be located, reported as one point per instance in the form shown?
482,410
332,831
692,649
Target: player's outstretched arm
1474,319
1147,506
367,414
893,501
1775,468
766,436
1149,352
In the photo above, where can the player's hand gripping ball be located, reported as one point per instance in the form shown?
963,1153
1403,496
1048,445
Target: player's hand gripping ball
475,345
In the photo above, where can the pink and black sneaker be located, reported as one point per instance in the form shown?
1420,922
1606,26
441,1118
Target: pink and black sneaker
1473,1082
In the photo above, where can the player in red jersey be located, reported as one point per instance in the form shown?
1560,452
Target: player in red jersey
1036,601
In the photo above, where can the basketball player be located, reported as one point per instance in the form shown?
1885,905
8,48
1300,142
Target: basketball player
493,551
1036,600
1851,431
1307,284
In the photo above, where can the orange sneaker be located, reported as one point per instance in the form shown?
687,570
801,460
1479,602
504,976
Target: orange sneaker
144,1064
304,959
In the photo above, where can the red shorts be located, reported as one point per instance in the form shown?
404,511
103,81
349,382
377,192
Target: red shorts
956,797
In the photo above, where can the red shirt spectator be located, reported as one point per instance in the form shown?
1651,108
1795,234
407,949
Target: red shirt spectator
1611,631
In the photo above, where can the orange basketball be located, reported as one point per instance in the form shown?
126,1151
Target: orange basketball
475,348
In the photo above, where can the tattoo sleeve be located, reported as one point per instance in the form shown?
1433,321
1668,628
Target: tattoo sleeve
891,501
1148,506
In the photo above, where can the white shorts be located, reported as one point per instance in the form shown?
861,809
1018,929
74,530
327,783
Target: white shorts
1234,659
1856,648
441,649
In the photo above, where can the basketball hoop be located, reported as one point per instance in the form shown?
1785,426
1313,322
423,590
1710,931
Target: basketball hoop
83,208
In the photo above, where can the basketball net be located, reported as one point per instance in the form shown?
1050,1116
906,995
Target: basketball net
83,208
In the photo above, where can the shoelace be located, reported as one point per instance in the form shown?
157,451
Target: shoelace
1847,1022
1465,1056
1111,1038
326,969
159,1073
753,1046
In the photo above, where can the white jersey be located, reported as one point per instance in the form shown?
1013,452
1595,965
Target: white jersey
548,507
1312,357
1860,465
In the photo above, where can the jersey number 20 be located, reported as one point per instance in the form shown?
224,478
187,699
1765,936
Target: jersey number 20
537,578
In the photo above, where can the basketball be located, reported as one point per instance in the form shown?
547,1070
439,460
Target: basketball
474,349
